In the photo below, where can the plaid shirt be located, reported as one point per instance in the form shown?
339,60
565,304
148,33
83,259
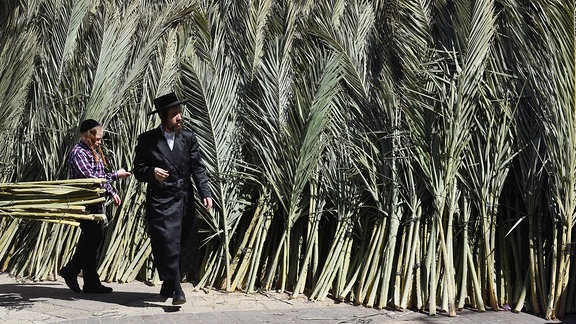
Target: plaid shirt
82,164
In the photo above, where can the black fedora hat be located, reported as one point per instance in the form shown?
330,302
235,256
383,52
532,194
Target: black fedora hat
166,101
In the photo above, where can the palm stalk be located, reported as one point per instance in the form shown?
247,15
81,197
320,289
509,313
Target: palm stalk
375,279
212,86
414,31
8,234
556,119
247,259
258,256
19,44
529,168
530,177
311,251
488,168
123,225
303,127
411,251
468,266
346,197
370,256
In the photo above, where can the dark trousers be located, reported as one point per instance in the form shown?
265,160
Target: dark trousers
87,251
190,257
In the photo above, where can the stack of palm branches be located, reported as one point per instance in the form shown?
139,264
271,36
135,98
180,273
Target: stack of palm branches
61,201
30,210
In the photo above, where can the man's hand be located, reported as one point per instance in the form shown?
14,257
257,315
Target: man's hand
160,174
207,203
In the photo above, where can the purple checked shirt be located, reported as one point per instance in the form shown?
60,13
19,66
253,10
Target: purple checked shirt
82,164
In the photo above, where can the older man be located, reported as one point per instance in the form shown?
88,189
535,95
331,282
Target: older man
167,159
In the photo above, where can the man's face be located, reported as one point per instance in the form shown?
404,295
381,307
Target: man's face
174,119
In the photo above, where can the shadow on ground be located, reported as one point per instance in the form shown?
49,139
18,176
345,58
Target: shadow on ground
22,296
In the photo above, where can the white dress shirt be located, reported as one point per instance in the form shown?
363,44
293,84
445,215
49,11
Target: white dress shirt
170,139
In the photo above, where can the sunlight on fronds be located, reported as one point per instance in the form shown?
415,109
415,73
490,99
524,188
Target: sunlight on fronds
403,154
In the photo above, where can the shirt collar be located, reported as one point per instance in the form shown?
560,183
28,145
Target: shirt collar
168,134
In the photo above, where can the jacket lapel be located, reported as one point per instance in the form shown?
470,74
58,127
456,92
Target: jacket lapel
177,150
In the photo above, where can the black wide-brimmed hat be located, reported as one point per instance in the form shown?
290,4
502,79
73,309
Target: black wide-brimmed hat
166,101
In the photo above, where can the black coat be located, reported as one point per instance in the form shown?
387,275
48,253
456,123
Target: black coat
170,201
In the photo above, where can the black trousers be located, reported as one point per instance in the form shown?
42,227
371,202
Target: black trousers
87,251
190,256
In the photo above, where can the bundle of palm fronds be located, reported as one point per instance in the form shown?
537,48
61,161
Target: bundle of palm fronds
59,201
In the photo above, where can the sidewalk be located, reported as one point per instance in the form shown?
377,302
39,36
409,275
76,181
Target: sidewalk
51,301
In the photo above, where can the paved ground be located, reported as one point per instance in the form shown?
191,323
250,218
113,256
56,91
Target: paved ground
25,302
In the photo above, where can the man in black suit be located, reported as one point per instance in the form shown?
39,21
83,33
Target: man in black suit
167,159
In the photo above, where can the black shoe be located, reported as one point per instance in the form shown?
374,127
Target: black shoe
167,289
179,298
98,289
70,279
